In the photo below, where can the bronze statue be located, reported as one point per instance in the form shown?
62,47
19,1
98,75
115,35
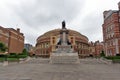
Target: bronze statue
60,42
63,25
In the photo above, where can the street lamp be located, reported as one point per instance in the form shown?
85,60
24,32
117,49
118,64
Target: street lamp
6,56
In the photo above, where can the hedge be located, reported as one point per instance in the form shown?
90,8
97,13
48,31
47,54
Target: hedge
22,56
112,57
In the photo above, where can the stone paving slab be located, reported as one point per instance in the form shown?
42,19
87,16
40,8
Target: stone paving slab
88,69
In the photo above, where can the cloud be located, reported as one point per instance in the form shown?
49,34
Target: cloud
45,12
36,17
92,26
39,16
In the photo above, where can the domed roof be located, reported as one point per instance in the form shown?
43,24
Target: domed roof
56,32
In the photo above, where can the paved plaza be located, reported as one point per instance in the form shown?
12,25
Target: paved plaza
41,69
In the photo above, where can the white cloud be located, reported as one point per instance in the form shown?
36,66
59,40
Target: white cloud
35,17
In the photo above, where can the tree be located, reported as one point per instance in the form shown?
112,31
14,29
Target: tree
3,48
102,54
25,52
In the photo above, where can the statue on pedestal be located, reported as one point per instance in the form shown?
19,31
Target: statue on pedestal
64,36
63,25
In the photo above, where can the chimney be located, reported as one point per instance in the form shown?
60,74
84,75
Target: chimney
119,5
105,13
18,30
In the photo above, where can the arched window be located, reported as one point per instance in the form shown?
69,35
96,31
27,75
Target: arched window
53,40
72,40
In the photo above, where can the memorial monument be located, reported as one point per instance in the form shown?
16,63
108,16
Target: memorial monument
64,52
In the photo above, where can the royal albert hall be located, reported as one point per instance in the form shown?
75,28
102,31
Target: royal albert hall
46,43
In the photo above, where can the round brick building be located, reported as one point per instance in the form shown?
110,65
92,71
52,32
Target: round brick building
46,43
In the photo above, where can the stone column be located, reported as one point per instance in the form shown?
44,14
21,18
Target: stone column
106,52
116,46
64,39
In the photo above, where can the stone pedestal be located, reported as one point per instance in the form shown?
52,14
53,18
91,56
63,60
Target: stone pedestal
64,52
63,58
64,49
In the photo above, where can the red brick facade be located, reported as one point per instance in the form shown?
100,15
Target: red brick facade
13,39
111,32
46,43
96,48
4,36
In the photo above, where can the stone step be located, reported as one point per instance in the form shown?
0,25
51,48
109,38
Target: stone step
64,58
38,60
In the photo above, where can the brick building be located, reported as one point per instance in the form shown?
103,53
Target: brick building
46,43
111,31
91,48
96,48
13,39
28,47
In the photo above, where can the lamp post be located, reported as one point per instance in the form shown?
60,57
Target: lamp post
5,63
6,56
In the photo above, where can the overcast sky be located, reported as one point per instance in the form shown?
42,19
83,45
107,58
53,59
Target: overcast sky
35,17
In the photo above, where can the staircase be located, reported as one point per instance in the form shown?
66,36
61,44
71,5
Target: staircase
63,58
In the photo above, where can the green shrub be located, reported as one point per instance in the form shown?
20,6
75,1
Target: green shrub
2,55
2,59
3,48
22,56
112,57
24,52
116,60
13,53
102,54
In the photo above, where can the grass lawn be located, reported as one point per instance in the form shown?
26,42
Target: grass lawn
2,59
9,59
115,59
12,59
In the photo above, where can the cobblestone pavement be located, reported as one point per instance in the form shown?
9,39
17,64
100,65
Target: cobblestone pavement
41,69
